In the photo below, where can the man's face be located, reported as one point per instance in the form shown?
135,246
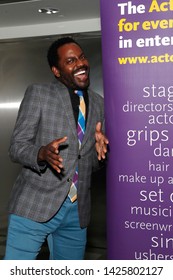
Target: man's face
73,67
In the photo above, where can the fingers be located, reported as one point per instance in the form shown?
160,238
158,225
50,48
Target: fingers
99,134
101,148
101,142
56,162
56,143
52,156
61,140
101,151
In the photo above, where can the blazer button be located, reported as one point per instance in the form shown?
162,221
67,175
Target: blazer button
69,180
79,156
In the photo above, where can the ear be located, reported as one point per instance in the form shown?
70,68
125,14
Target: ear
55,71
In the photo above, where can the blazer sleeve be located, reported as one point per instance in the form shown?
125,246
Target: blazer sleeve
23,148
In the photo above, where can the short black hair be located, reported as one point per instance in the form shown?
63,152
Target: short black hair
52,54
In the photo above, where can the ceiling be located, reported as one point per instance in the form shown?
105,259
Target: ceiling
20,19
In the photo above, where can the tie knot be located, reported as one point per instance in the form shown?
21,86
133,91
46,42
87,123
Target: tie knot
79,93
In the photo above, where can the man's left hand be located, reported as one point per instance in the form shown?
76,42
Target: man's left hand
101,142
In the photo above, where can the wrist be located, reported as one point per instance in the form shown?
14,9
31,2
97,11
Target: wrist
41,156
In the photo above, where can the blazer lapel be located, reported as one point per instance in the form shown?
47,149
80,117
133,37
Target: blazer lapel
66,102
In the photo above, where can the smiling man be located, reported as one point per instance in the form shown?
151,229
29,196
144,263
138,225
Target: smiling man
58,140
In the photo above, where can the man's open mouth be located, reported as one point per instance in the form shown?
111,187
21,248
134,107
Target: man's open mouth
81,72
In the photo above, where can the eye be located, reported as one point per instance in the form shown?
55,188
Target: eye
70,60
83,57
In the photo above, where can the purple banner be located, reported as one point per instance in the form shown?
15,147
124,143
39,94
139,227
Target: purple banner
137,43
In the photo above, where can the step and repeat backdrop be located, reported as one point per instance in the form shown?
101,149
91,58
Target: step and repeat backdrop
137,49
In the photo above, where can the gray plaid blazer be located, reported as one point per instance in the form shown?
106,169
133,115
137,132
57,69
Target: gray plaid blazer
46,114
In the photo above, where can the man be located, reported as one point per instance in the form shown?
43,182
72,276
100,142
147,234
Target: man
45,142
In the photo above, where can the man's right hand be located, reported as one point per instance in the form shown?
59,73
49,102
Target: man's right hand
50,154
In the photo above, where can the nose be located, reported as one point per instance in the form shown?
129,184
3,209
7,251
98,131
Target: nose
79,62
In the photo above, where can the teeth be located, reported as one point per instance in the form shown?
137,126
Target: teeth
79,73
